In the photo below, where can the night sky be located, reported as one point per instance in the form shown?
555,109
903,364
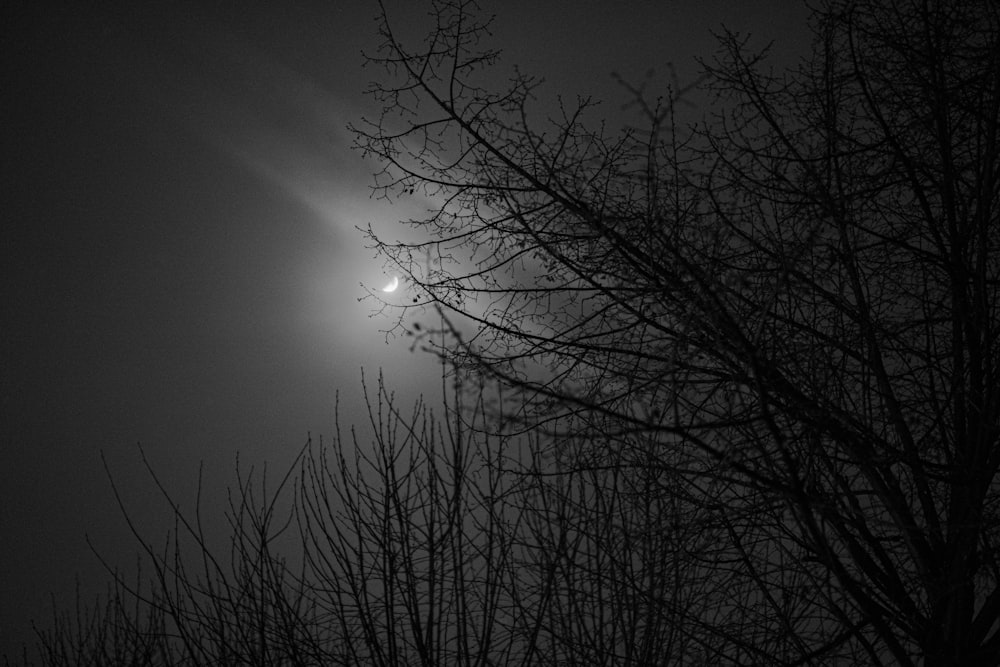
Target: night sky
180,265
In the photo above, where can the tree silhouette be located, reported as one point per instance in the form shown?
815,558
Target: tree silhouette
419,541
789,313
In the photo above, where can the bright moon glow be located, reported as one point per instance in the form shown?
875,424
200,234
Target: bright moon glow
391,287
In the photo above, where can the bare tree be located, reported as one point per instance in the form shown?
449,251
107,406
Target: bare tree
791,313
421,540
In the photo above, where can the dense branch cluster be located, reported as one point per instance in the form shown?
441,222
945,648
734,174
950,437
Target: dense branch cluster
800,298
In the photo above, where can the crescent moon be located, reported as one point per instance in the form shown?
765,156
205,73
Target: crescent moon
391,287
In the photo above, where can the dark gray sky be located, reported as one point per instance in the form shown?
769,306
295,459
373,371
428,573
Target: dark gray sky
179,262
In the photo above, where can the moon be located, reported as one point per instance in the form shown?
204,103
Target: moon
391,287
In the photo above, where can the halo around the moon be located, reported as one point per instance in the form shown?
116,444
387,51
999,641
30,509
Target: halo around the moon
391,287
